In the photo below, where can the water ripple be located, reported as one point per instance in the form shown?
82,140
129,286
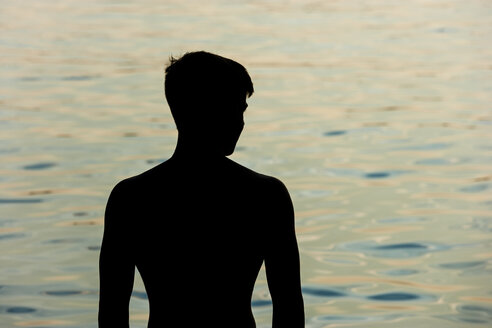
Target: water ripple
16,309
63,292
409,219
400,272
20,200
377,175
476,309
429,146
397,250
394,297
356,318
258,303
322,292
155,160
438,161
401,246
63,241
461,265
39,166
77,78
12,236
475,188
470,313
334,133
140,295
80,213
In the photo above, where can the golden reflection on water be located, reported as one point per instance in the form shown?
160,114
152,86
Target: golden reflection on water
392,307
9,230
389,229
38,323
343,280
476,299
139,317
89,222
62,278
375,115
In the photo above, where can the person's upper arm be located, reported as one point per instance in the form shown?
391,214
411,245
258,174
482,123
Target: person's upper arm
116,265
282,261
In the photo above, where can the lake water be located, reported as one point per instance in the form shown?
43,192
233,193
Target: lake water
376,115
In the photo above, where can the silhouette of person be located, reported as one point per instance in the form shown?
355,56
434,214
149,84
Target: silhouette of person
199,226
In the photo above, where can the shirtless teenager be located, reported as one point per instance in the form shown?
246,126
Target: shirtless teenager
199,226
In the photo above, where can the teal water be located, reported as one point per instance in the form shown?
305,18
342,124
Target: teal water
375,114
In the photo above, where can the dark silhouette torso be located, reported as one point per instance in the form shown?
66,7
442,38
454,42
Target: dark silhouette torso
199,226
198,237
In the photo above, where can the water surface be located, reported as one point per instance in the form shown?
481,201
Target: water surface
375,114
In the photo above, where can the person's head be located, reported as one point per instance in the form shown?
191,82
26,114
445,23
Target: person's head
207,97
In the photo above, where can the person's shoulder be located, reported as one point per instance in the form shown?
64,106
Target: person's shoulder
267,181
121,189
134,183
125,188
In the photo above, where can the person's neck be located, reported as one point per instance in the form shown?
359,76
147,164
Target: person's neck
194,149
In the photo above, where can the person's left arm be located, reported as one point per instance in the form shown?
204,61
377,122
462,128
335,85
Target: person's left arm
116,265
282,262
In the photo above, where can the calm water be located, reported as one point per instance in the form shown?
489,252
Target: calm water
376,115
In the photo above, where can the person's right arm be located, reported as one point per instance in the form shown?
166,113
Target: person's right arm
116,265
282,263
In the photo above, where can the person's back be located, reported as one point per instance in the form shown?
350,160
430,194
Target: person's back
198,228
